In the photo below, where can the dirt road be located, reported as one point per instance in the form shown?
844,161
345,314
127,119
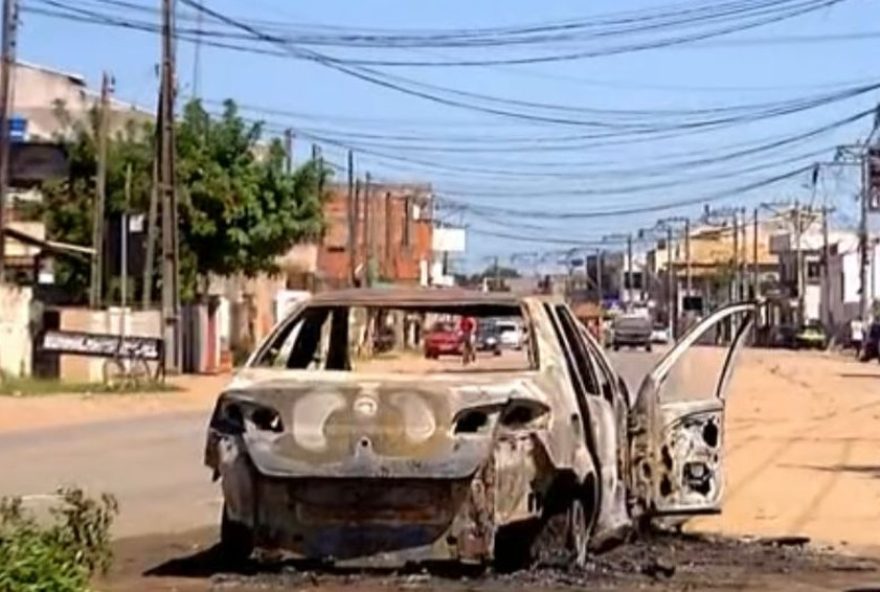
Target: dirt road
802,458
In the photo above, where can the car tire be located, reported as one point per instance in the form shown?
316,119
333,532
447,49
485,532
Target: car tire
616,347
236,540
649,348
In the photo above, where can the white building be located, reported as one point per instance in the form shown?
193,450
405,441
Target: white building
843,287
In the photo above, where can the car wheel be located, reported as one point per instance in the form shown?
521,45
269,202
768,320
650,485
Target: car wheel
649,348
616,347
236,540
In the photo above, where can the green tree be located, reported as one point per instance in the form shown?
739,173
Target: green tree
239,209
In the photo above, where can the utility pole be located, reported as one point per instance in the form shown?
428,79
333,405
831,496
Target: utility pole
734,287
755,288
368,229
864,313
799,261
7,63
97,276
670,290
352,222
629,272
288,150
388,234
168,196
687,256
497,273
150,259
123,249
826,275
599,272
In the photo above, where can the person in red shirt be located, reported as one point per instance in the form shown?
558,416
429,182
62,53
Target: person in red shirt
467,327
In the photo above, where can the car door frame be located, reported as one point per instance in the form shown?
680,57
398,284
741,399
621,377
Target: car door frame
661,434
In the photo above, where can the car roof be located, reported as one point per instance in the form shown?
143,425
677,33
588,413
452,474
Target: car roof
419,297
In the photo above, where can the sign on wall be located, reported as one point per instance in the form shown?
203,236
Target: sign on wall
101,345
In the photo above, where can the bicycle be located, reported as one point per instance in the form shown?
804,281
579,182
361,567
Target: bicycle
130,370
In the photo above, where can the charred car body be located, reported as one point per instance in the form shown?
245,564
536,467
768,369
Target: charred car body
386,468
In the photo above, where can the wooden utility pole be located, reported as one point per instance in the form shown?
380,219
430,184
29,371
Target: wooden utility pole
826,276
368,229
288,150
687,256
123,248
352,223
864,313
670,290
734,287
7,64
168,196
756,289
96,293
150,258
599,271
629,272
799,260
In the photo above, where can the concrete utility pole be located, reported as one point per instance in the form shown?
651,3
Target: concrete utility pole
7,64
864,312
352,222
670,287
755,287
150,258
599,271
799,260
734,286
826,275
288,150
96,292
168,196
388,236
123,248
368,229
687,256
629,272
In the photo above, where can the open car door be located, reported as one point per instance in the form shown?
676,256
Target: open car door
677,423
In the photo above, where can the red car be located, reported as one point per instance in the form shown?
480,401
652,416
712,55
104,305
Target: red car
442,340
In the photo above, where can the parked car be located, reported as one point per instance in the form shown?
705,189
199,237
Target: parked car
385,468
871,345
660,334
811,336
443,340
488,338
511,334
632,331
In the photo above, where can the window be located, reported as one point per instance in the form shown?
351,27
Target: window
814,271
313,340
632,280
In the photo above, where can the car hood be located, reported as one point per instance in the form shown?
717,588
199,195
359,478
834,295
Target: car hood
336,424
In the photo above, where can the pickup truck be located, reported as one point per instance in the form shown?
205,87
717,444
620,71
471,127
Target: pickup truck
632,331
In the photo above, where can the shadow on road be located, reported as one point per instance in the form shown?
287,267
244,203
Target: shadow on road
201,564
872,471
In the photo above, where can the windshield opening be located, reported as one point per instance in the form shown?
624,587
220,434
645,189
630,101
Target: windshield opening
399,339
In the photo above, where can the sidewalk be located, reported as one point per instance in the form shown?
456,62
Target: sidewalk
34,412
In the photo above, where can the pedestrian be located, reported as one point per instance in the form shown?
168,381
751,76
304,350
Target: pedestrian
857,334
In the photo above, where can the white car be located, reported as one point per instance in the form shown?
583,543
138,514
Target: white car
511,334
660,334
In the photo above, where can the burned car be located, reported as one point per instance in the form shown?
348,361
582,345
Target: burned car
355,458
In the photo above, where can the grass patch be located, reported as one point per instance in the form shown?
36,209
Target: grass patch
35,387
61,555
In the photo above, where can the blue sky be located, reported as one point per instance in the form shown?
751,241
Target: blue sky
762,65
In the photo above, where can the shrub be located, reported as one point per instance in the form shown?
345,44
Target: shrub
58,557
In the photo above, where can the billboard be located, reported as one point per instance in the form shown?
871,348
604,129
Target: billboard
448,240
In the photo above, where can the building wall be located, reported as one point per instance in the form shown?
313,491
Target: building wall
36,90
15,334
82,369
393,228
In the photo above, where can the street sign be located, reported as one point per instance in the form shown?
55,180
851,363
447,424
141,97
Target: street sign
17,129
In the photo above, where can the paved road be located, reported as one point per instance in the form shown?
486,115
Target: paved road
152,464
